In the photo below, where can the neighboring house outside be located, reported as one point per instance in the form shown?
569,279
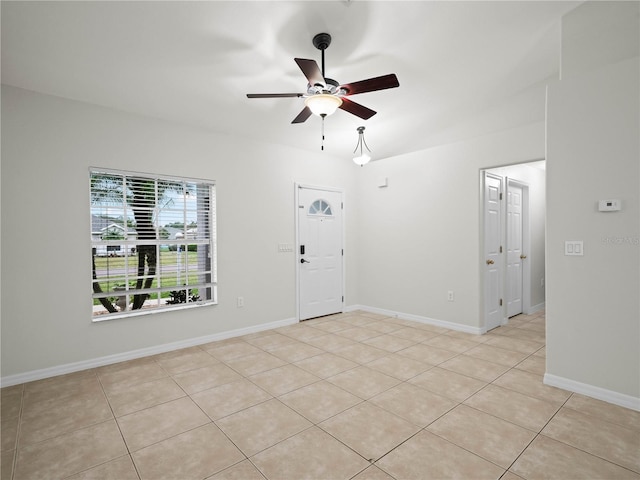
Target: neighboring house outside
174,233
111,229
192,233
106,229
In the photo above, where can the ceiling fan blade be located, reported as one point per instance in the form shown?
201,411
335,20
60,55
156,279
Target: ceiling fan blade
274,95
303,115
356,109
371,84
311,71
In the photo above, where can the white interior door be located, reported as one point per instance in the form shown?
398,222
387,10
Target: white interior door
492,261
515,255
320,252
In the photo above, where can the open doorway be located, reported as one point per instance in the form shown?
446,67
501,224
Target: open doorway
513,241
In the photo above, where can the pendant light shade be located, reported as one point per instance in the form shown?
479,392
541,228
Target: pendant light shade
323,104
361,157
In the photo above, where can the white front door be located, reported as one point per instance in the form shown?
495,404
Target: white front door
492,261
515,255
319,252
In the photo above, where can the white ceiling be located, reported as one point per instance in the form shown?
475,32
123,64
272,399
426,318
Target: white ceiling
465,68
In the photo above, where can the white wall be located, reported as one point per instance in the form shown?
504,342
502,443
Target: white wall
420,236
593,315
593,152
598,33
48,145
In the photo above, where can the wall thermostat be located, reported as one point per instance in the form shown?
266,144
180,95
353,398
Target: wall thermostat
609,205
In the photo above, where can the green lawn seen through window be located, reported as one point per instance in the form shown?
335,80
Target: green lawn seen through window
169,278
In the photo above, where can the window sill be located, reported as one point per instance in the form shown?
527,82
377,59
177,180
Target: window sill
148,311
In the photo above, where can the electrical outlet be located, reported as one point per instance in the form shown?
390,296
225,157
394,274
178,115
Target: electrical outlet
240,302
450,295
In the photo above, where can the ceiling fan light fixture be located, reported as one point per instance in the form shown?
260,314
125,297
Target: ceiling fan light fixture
323,104
360,156
324,95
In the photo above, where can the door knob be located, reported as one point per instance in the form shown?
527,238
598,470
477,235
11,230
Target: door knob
522,257
490,262
302,260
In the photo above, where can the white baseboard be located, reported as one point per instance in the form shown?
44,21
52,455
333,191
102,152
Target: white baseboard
620,399
535,308
418,318
133,354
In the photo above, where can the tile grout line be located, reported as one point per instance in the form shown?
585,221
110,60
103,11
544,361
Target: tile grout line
187,395
473,394
579,448
273,397
317,424
462,403
402,381
115,419
539,433
83,427
14,461
212,421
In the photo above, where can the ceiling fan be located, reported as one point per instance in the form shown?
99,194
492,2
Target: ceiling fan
324,95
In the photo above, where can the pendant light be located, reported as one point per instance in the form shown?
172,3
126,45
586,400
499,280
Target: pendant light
361,157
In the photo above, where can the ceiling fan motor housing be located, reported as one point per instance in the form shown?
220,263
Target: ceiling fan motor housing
331,87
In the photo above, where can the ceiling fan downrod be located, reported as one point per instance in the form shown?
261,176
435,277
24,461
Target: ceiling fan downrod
322,41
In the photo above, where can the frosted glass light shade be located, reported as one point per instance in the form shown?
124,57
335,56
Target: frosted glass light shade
361,159
323,103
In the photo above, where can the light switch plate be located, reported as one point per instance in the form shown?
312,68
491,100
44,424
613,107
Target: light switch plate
285,247
574,247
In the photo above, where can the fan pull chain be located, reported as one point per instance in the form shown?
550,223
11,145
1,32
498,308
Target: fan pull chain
322,144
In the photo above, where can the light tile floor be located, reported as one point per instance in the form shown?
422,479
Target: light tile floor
351,396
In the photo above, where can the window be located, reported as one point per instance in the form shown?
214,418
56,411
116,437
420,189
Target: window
152,243
320,207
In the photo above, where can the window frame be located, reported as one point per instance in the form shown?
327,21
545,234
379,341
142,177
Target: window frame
118,200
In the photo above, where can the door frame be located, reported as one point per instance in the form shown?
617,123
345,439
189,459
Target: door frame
297,187
526,245
526,242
